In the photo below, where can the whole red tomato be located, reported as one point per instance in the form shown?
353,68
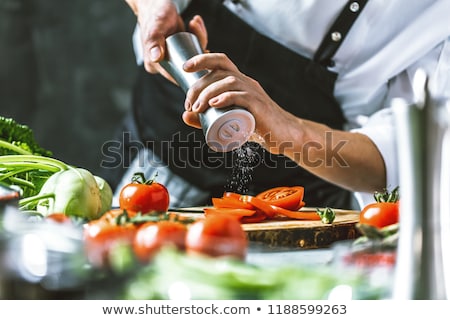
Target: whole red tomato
102,236
217,235
380,214
144,196
152,236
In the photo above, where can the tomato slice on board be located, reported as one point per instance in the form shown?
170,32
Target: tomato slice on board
244,215
231,202
237,212
299,215
260,204
257,217
230,194
290,198
273,211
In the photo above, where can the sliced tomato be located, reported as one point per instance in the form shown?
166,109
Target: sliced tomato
257,217
273,211
294,214
243,215
290,198
229,194
231,202
262,205
236,212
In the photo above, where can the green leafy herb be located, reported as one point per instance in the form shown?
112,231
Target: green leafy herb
17,138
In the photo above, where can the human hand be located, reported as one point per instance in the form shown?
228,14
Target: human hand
224,86
157,20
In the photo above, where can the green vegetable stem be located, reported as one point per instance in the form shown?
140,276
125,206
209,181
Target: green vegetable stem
48,185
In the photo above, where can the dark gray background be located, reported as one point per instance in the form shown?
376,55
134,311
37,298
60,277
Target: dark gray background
67,69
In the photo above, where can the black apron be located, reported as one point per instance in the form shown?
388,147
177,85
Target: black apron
302,86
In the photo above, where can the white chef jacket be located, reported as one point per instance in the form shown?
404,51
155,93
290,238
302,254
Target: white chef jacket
389,41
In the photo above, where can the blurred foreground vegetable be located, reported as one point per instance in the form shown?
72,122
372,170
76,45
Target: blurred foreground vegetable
175,275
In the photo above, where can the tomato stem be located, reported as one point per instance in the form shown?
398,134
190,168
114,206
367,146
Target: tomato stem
327,215
387,196
139,177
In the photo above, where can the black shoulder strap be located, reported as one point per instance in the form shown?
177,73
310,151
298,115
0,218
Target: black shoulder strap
338,31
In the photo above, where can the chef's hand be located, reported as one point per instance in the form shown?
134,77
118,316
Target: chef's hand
157,20
224,86
348,159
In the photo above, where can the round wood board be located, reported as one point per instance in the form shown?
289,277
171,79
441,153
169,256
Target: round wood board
306,234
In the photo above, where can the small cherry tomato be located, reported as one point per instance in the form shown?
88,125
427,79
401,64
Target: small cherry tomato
217,235
144,196
380,214
152,236
290,198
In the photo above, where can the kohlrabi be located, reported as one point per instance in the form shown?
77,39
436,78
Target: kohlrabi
73,192
106,194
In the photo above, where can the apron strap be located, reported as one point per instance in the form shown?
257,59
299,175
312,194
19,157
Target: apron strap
338,31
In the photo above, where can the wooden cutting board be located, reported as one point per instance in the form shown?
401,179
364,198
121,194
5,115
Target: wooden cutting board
306,234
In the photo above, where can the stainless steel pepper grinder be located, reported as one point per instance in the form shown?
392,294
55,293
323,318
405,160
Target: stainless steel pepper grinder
423,254
225,129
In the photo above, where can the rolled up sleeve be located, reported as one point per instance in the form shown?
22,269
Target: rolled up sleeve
380,129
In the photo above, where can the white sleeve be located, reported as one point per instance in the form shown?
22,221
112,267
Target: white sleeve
380,129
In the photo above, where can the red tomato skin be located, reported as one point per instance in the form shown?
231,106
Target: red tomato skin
230,202
144,198
216,236
59,217
238,212
290,198
380,214
152,236
100,237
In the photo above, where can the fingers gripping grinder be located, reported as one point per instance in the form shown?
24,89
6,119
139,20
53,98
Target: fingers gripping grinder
225,129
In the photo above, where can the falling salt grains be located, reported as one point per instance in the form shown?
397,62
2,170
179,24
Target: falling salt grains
245,159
